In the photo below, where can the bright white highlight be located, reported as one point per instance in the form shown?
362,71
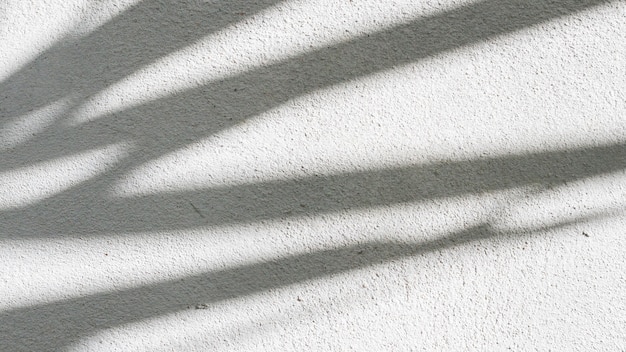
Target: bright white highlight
28,185
28,126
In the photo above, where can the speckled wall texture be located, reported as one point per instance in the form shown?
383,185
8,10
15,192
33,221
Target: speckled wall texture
312,175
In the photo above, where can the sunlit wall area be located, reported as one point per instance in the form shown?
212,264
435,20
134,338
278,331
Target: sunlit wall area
312,175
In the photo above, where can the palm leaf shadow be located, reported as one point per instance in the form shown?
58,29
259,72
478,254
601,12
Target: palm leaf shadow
168,124
56,325
81,67
53,326
306,196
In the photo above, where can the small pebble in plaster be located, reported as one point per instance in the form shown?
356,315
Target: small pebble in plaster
202,306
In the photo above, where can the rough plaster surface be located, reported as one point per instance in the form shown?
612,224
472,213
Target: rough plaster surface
312,175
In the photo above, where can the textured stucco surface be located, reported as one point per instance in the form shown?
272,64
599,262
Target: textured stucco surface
312,175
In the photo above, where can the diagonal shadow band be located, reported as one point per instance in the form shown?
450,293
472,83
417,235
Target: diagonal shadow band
147,31
167,124
80,212
164,125
53,326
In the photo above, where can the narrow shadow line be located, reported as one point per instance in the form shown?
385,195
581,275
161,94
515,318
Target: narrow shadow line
52,326
81,211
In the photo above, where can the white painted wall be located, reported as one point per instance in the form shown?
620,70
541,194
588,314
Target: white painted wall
312,175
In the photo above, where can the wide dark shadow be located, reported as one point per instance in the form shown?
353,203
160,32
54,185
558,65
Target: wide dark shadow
81,211
165,125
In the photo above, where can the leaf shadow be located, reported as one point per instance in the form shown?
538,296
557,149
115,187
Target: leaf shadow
80,67
80,212
57,325
168,124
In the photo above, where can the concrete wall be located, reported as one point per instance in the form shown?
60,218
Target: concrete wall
312,175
